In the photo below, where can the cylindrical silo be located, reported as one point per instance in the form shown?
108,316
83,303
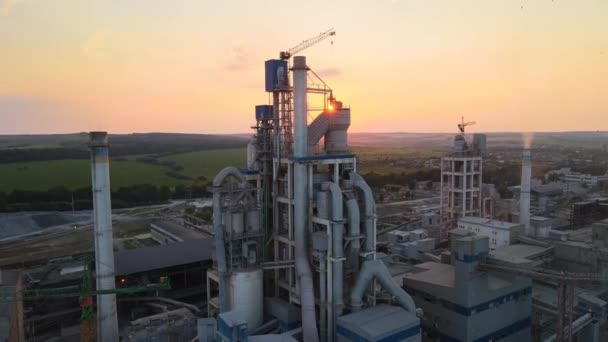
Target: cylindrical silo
246,296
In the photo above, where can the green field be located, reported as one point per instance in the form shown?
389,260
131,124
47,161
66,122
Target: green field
36,176
40,176
208,163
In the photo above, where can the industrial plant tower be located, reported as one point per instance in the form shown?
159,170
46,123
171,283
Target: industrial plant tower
297,228
461,180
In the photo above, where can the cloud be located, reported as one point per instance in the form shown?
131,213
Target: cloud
7,5
239,58
329,72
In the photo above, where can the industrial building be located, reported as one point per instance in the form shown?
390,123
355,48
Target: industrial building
499,233
462,304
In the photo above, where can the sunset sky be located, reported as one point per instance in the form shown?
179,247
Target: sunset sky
402,65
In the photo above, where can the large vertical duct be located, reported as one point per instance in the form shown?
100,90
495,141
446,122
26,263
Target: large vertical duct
107,322
354,233
369,212
220,251
524,197
337,218
303,269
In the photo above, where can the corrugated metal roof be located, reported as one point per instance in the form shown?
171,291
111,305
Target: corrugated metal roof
377,322
156,257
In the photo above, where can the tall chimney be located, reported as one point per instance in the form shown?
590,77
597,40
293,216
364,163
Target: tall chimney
524,197
107,322
300,217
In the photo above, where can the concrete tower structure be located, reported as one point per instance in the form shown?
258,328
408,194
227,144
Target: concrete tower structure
524,197
107,322
461,180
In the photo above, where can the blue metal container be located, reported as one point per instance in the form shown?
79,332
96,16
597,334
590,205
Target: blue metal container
263,112
276,74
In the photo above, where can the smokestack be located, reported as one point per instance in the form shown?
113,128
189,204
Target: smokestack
524,197
107,323
300,218
300,125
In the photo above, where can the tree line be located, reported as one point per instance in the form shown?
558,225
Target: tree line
64,199
377,180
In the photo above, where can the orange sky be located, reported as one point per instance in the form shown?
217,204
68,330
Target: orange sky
197,66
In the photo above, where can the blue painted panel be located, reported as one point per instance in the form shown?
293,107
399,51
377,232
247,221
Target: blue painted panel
263,112
100,151
275,68
471,258
468,311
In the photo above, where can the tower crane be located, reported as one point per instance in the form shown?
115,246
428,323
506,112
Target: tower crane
285,55
463,124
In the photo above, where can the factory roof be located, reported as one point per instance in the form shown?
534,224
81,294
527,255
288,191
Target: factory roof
156,257
548,189
377,323
518,253
178,230
489,223
434,273
540,218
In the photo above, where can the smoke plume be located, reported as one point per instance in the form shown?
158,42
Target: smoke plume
527,138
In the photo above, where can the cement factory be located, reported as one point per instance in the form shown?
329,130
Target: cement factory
299,250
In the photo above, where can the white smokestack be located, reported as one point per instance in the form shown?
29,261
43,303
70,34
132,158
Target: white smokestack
524,197
107,322
300,215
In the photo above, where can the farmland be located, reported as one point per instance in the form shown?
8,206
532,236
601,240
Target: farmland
208,163
40,176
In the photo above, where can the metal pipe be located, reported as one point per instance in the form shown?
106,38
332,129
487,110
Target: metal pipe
354,232
369,211
524,195
107,321
337,217
191,307
322,295
220,251
303,269
376,269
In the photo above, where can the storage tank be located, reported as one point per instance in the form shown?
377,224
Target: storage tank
246,296
238,223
